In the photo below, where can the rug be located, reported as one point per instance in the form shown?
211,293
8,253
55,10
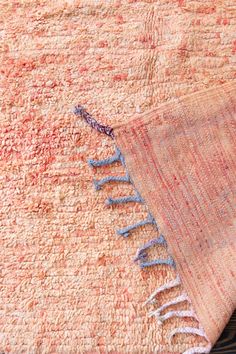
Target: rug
68,282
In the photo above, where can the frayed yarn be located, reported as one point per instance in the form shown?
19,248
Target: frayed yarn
198,350
105,129
126,230
167,286
128,199
141,253
174,301
169,261
99,183
187,330
171,314
108,161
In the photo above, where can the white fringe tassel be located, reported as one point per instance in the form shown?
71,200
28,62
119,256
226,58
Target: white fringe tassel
187,330
200,350
169,285
175,301
171,314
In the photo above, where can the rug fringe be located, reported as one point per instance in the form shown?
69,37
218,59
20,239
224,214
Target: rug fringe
171,314
105,129
200,350
168,261
128,199
174,301
126,230
108,161
187,330
142,255
171,284
99,183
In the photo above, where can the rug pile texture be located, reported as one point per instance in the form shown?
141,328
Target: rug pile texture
68,282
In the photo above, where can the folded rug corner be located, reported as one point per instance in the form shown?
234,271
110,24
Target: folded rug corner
181,157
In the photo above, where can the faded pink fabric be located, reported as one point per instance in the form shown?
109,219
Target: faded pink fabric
182,159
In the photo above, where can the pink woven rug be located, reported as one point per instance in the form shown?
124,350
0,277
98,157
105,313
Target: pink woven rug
68,283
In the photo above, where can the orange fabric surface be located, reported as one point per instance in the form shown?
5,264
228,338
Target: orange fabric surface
181,158
68,284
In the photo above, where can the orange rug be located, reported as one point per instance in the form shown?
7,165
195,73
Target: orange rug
68,282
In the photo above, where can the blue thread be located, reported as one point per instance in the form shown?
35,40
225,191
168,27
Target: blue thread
101,182
156,241
141,256
131,198
168,261
126,230
98,163
122,159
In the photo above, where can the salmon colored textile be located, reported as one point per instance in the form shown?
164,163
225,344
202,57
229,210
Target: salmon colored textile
68,283
182,159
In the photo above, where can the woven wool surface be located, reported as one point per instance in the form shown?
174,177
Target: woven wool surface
68,283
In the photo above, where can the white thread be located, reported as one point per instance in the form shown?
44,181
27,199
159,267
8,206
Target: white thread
171,314
187,330
164,287
202,350
175,301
